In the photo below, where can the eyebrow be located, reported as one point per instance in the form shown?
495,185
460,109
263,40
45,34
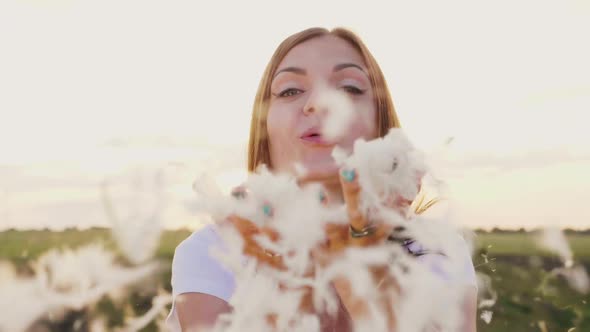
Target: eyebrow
296,70
338,67
348,65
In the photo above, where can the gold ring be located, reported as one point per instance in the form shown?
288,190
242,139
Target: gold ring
366,231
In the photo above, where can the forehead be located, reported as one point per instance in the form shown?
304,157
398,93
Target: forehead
324,51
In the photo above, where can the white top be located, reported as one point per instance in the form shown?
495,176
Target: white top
195,270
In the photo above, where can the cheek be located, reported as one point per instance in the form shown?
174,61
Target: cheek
279,124
365,122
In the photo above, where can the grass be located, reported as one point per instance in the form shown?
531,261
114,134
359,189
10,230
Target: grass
523,244
528,295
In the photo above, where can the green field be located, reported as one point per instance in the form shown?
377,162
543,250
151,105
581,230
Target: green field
528,295
529,298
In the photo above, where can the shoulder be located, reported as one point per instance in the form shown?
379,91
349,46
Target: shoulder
198,240
195,269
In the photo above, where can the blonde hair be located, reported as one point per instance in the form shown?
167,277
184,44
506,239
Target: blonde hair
386,117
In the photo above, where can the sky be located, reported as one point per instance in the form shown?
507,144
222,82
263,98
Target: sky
115,92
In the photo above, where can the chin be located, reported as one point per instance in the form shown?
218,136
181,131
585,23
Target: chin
320,172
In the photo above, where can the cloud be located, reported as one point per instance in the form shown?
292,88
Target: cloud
513,160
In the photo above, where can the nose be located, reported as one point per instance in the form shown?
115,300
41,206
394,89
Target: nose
309,107
312,105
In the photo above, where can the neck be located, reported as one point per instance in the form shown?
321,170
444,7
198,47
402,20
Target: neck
331,185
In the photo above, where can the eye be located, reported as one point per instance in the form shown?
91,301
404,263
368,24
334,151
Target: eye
353,90
289,92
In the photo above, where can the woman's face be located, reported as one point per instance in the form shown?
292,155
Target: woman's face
309,73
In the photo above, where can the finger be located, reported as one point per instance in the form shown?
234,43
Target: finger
336,237
357,306
351,191
248,230
252,248
396,200
244,226
271,233
381,231
323,197
387,290
399,204
320,256
419,181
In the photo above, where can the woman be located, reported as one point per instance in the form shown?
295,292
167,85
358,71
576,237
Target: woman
286,133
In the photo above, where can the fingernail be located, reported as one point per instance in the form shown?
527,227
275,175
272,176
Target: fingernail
322,196
267,209
239,194
348,175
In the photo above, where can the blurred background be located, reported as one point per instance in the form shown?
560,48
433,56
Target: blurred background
109,110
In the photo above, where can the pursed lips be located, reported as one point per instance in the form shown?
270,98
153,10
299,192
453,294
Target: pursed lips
314,137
